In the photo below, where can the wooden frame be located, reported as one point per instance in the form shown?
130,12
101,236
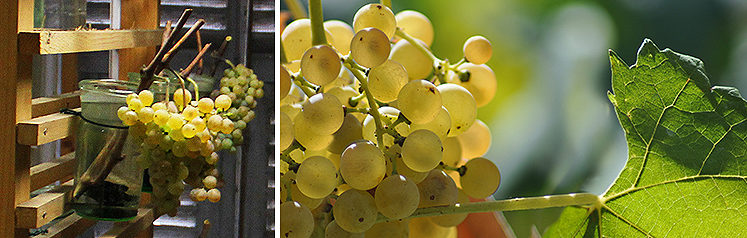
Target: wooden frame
26,122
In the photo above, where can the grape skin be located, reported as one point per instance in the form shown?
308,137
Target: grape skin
475,142
461,105
397,197
386,80
481,83
481,179
377,16
422,150
477,50
417,64
437,189
316,177
296,220
370,47
416,25
355,211
419,101
320,64
362,165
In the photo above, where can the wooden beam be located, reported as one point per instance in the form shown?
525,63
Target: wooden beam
59,42
60,169
70,226
47,105
45,207
131,228
8,79
46,129
137,14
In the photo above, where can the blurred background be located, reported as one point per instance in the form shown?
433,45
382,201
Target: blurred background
554,130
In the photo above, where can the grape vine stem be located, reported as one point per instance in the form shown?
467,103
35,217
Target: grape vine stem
374,107
317,23
513,204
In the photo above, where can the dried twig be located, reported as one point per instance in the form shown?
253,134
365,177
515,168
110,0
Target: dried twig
219,54
197,59
199,49
146,74
100,168
166,33
170,54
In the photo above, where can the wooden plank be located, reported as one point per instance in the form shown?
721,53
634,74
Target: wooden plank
8,79
45,207
137,14
71,226
25,14
46,41
46,129
132,228
47,105
60,169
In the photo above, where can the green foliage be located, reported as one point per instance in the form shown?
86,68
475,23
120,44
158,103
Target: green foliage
685,175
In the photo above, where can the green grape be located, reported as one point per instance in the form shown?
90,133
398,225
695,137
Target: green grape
316,177
419,101
296,220
213,195
285,82
189,130
176,121
166,142
439,125
226,144
146,97
397,197
182,97
390,229
298,196
320,64
130,118
205,105
477,50
349,131
182,172
212,159
223,102
355,211
453,219
452,151
286,131
402,168
324,113
309,140
121,111
475,142
179,148
296,38
226,126
225,89
423,227
159,106
370,47
386,80
481,82
389,113
238,90
130,97
416,25
422,150
335,231
143,161
145,115
241,125
417,64
215,123
199,123
342,33
461,105
362,165
437,189
481,178
375,15
344,94
176,188
135,104
161,116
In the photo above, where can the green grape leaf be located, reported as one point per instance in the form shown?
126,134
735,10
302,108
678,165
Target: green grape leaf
686,174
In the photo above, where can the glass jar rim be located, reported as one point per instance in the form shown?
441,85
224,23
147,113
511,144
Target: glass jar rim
113,87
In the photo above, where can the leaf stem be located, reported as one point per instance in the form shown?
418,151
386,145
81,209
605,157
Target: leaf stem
513,204
317,23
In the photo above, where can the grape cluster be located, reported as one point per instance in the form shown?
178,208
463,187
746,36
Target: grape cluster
178,139
374,123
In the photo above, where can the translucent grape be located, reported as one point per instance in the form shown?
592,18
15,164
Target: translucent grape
223,102
182,97
390,229
342,33
481,82
452,151
129,118
309,140
210,181
285,82
286,131
175,121
416,25
422,150
397,197
121,111
316,177
375,15
370,47
215,123
199,123
362,165
296,39
423,227
475,142
320,64
437,189
344,94
212,159
461,105
198,194
439,125
349,131
177,135
130,97
213,195
205,105
477,50
417,64
390,114
481,178
419,101
298,196
386,80
324,112
145,115
159,106
355,211
403,170
135,104
335,231
146,97
176,188
296,220
226,126
453,219
190,113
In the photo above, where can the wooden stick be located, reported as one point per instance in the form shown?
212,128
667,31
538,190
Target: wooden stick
199,48
219,54
170,54
146,74
100,168
166,33
198,58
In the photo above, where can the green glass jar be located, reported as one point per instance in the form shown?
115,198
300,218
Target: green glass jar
107,180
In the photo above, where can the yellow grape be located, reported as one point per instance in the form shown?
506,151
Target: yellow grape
146,97
296,39
190,113
135,104
161,116
212,159
461,105
130,97
198,194
390,229
215,123
210,182
182,97
418,64
477,50
317,177
158,106
422,150
296,220
286,131
452,151
397,197
130,118
145,115
386,80
121,111
320,64
419,101
453,219
437,189
205,105
285,82
342,33
335,231
223,102
227,126
176,121
416,25
481,179
475,141
355,211
481,82
377,16
189,130
213,195
362,165
370,47
199,124
176,135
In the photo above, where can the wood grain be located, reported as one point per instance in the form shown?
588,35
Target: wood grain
60,42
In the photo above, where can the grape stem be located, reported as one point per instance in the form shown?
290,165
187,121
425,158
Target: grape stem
296,9
417,44
513,204
374,112
317,23
305,86
387,3
355,100
352,110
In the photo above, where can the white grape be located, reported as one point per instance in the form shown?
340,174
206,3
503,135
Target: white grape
416,25
335,231
320,64
375,15
370,47
285,83
362,165
355,211
461,105
342,34
477,50
481,82
386,80
439,125
453,219
419,101
316,177
481,178
296,220
422,150
349,131
296,39
286,131
437,189
324,114
397,197
417,64
452,151
475,142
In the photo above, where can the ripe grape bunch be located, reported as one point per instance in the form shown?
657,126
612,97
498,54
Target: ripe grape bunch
373,127
178,139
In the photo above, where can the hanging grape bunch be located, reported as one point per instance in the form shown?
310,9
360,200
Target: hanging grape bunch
178,138
372,122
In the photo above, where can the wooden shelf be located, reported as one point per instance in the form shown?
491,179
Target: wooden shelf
132,228
42,41
45,207
70,226
60,169
43,106
45,129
